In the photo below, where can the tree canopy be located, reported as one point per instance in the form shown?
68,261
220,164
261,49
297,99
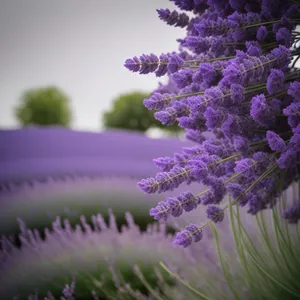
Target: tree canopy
44,106
128,112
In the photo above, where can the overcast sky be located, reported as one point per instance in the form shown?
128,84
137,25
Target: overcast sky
80,46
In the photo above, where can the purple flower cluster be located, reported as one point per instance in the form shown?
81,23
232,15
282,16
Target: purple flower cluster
238,98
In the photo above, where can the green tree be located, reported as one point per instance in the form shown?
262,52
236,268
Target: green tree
128,112
44,107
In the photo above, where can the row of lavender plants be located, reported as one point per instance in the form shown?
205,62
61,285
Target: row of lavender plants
254,260
235,77
81,254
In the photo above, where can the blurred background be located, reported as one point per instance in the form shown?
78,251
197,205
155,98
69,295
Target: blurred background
75,139
78,48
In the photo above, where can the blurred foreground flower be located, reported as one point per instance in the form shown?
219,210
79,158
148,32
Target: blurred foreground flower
237,79
258,261
99,257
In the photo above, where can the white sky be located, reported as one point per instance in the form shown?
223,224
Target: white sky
80,46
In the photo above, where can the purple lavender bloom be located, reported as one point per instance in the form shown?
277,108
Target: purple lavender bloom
165,181
185,237
292,111
157,101
284,34
215,213
132,64
184,4
183,78
238,77
200,169
188,201
161,211
275,81
175,62
276,143
197,105
164,163
262,33
144,65
260,110
294,90
167,117
173,18
212,28
253,49
194,135
175,206
292,214
288,159
237,95
163,66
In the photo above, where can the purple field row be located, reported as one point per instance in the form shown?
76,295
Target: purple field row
59,142
35,153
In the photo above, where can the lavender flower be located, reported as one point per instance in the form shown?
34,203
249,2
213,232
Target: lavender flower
292,214
236,73
215,213
124,262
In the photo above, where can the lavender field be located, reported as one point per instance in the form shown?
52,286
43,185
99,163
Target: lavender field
54,173
210,210
46,172
58,217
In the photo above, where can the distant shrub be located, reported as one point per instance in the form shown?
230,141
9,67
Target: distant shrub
44,107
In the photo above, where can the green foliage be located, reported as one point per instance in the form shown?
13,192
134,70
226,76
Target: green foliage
44,107
128,112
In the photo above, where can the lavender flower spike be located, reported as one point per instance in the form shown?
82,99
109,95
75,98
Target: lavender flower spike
237,75
173,18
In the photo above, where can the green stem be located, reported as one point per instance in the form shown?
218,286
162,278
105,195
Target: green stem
184,282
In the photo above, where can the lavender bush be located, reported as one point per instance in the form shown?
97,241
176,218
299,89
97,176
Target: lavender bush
261,250
258,261
98,259
236,78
